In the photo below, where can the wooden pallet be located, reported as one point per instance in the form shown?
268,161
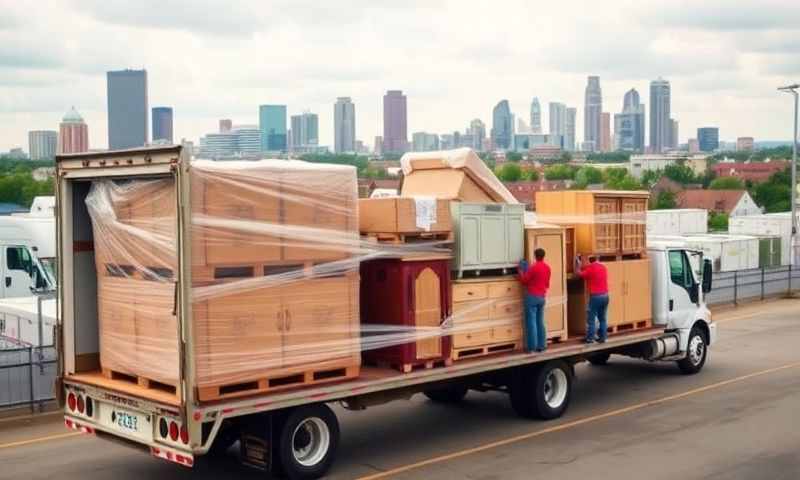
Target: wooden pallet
409,237
279,382
152,273
629,327
472,352
141,381
420,365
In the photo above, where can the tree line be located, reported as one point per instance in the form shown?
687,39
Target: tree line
17,184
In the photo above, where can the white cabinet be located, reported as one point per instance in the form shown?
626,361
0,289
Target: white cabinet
487,236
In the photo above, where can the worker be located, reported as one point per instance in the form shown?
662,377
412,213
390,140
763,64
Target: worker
596,277
536,279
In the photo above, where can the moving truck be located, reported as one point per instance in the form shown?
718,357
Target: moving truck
293,430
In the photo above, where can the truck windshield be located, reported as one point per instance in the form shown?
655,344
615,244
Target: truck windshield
49,266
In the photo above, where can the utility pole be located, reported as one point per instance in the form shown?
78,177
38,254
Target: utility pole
793,241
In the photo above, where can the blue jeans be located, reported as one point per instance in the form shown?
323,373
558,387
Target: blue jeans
535,333
598,307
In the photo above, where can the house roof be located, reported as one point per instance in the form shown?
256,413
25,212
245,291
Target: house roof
714,200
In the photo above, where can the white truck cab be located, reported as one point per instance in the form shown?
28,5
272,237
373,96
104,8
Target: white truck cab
27,250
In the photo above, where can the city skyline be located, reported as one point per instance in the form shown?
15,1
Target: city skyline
729,82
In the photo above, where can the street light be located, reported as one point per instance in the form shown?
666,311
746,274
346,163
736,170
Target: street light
793,240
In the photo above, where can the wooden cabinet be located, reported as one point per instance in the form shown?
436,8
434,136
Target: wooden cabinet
630,304
487,236
408,293
606,222
553,241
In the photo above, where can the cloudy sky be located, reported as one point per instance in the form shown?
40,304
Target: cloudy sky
454,59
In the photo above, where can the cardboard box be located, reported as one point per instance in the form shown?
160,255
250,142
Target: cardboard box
398,215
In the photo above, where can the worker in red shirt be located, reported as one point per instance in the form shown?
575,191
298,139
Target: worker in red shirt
596,277
536,279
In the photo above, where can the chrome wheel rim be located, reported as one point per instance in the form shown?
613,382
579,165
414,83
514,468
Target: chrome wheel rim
311,441
555,388
697,348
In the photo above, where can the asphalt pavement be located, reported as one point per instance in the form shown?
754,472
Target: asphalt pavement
738,419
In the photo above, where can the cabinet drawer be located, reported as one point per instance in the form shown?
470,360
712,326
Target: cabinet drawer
469,291
471,339
503,308
507,333
471,311
505,289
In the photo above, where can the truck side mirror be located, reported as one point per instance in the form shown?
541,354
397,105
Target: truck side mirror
708,273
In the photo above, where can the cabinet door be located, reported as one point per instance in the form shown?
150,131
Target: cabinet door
616,293
634,211
427,312
606,226
321,321
554,315
469,240
516,239
638,300
493,241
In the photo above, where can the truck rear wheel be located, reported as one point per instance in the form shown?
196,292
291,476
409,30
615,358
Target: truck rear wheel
449,394
307,442
696,352
542,391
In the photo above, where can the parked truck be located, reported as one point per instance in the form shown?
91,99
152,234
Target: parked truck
294,430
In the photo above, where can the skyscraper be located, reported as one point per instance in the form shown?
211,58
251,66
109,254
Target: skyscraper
569,136
425,142
42,144
344,125
707,137
162,124
502,125
593,108
536,116
558,118
127,108
629,125
477,129
272,123
395,122
305,131
605,132
673,134
225,125
73,133
660,123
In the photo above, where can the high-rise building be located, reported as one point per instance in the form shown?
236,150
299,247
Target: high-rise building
569,135
425,142
593,108
225,125
660,123
42,144
477,130
673,134
127,108
395,122
378,145
73,133
708,138
693,145
305,131
502,125
629,125
238,142
744,144
162,124
536,116
272,123
344,125
605,132
558,118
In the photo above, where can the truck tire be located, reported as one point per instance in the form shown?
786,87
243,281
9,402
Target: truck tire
696,352
599,359
542,391
307,442
449,394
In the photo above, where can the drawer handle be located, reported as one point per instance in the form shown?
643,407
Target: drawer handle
469,293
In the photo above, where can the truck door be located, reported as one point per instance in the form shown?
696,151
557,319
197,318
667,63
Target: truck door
683,290
21,272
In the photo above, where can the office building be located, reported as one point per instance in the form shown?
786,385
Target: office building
605,132
477,130
502,125
241,141
162,125
673,134
693,146
344,125
395,122
569,134
629,125
660,121
593,108
42,144
708,138
305,131
536,116
744,144
425,142
524,142
127,108
225,125
272,123
558,118
73,133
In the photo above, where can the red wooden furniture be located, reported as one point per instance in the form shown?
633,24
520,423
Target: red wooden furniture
410,292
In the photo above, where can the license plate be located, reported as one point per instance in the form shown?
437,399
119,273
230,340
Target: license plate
125,421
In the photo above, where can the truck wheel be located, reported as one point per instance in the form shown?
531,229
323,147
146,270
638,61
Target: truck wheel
696,352
542,392
449,394
307,443
599,359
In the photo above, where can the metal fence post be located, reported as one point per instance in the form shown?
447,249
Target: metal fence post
789,292
30,377
762,283
736,287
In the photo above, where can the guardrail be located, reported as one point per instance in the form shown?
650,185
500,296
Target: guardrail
760,283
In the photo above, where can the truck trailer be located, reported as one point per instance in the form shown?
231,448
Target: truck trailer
294,431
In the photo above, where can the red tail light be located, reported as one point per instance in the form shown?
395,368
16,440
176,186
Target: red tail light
80,404
184,435
173,431
71,401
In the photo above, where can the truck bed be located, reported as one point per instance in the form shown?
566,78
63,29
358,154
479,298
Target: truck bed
371,380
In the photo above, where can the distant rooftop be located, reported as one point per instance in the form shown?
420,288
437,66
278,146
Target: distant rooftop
72,116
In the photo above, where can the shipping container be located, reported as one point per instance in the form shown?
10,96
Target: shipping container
677,221
778,224
728,253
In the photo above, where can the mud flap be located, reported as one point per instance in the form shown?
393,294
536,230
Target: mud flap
256,444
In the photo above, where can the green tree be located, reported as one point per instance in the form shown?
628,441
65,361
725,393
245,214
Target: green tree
559,172
618,178
488,159
718,222
680,173
565,157
650,177
774,194
510,172
513,156
726,183
664,200
530,175
588,175
609,157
